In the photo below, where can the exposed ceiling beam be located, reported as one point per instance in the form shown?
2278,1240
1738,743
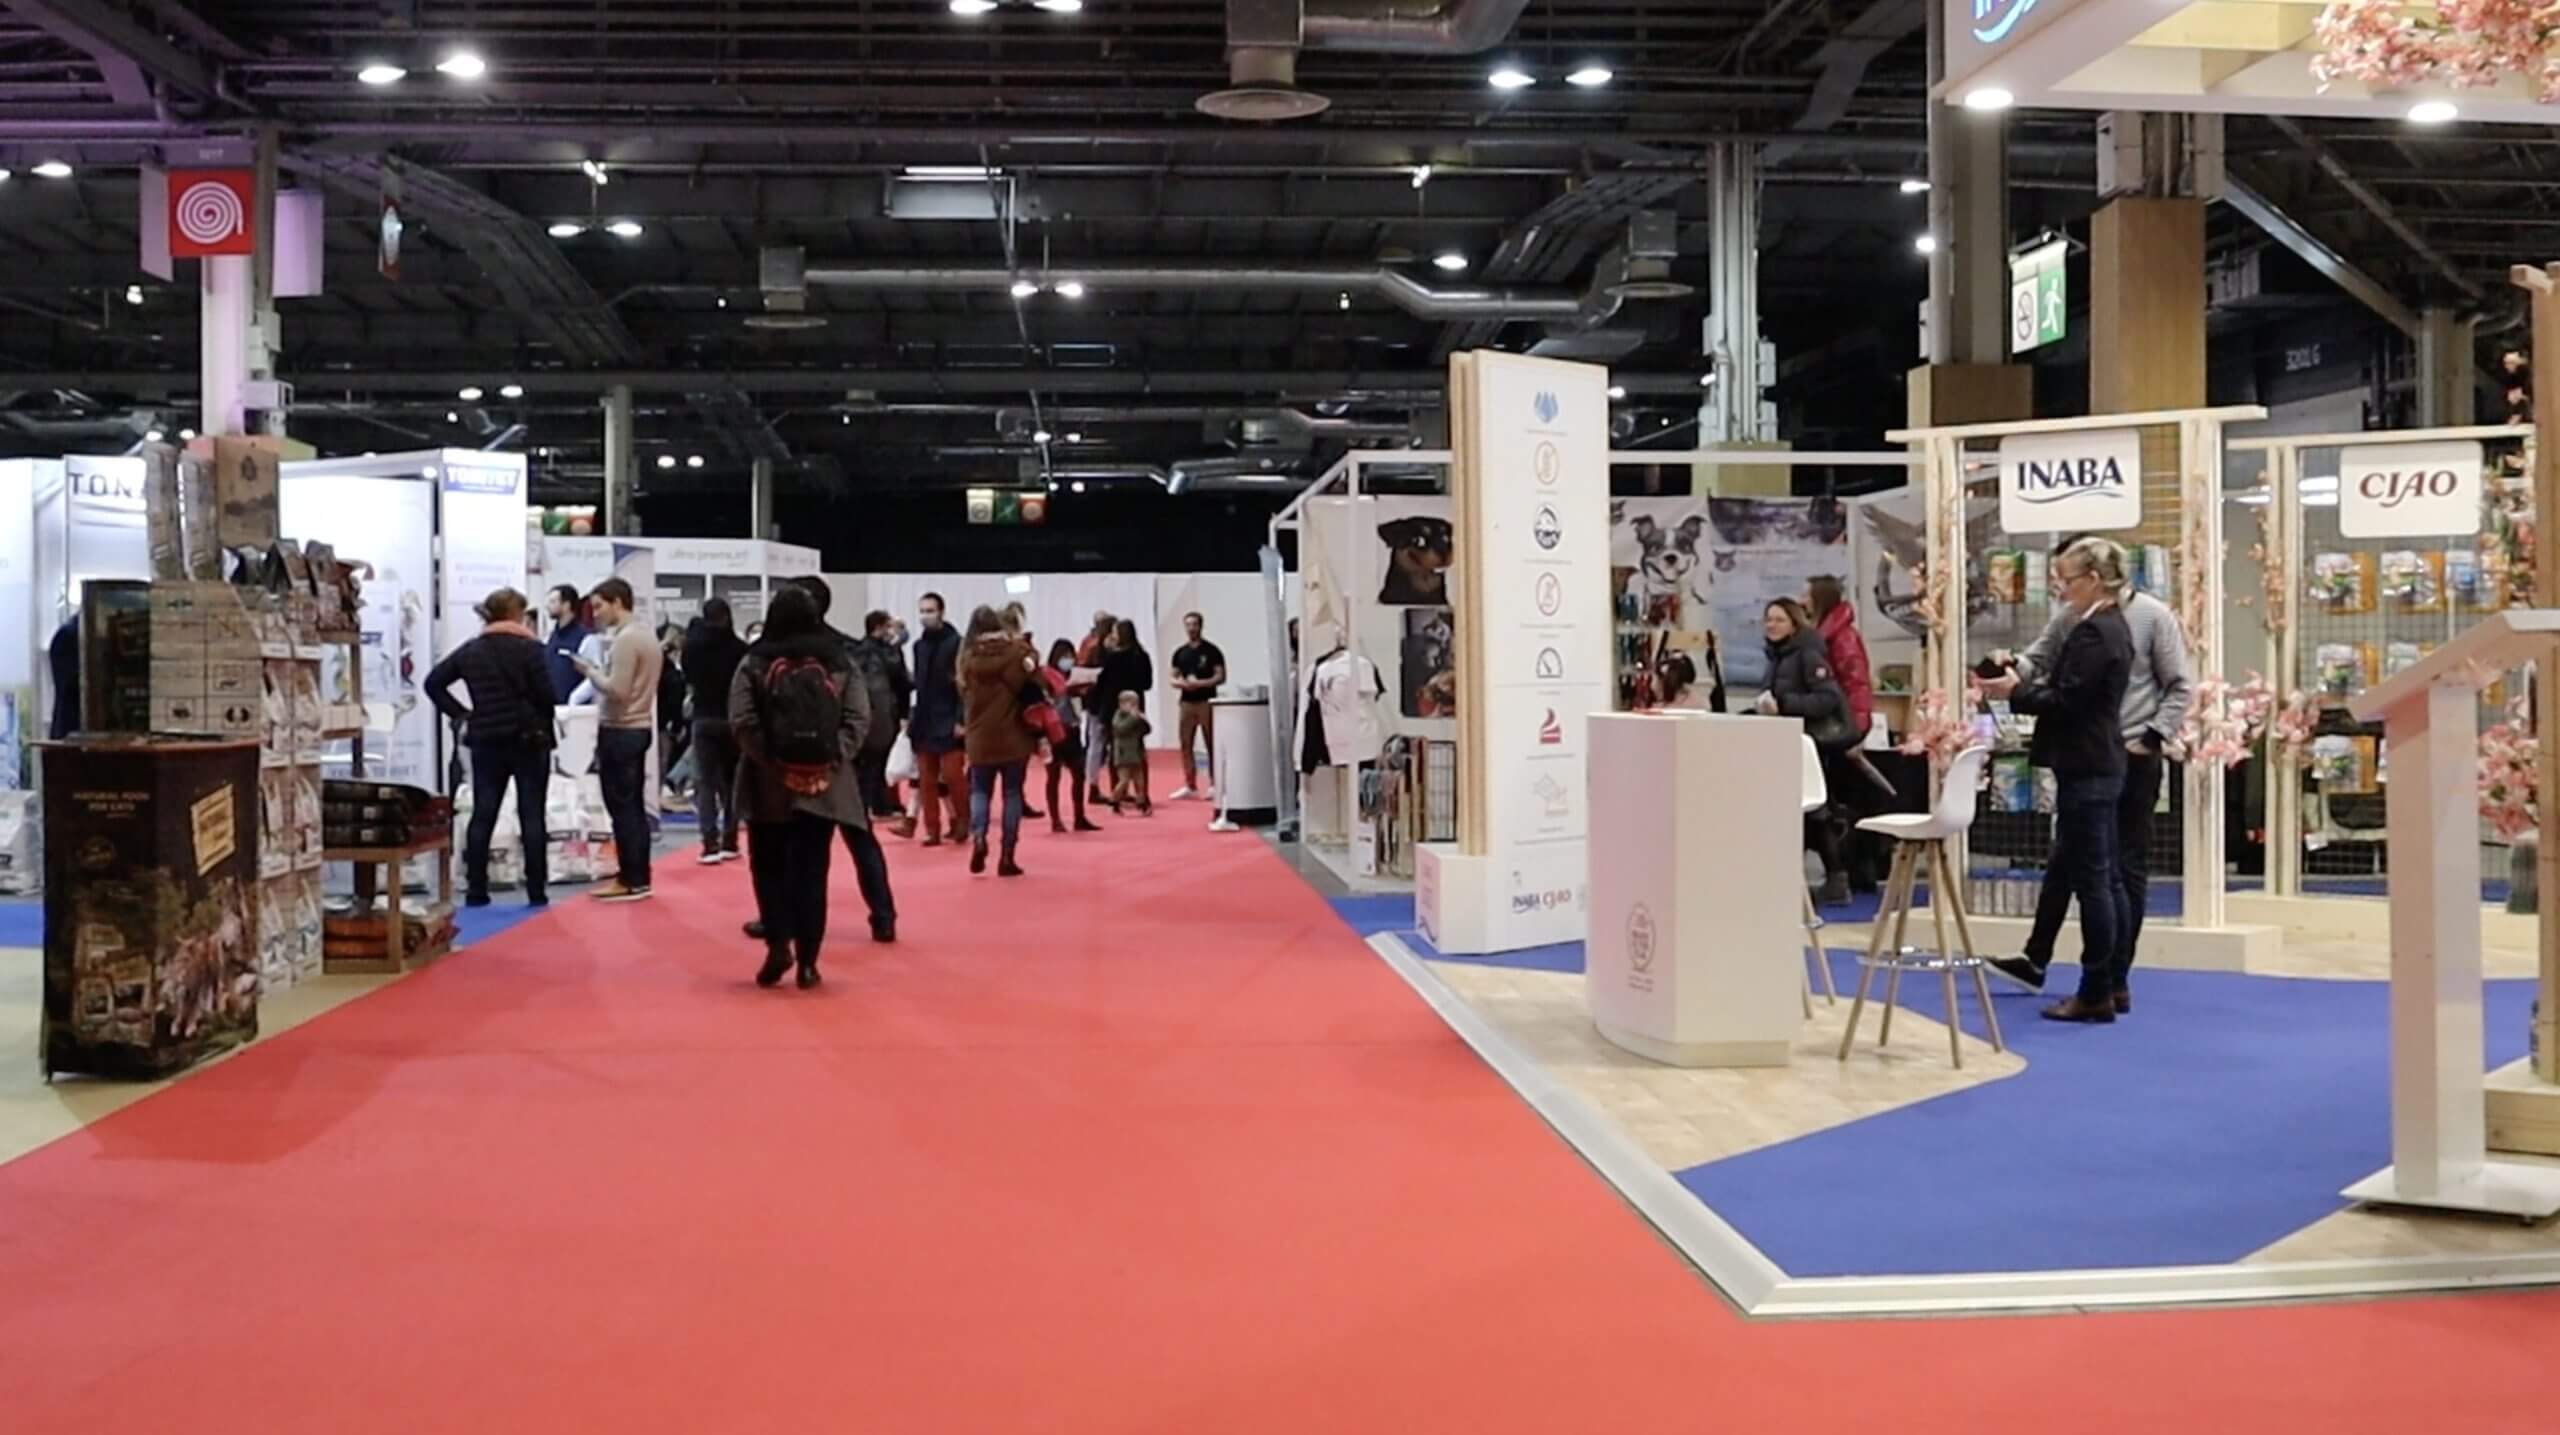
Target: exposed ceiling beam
136,63
2284,229
836,382
2380,208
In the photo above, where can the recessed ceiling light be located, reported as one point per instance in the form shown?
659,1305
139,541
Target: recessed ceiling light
1058,7
594,171
1511,77
624,229
381,73
1449,260
1041,436
948,171
972,8
462,65
1591,77
666,460
1346,301
186,433
133,293
1421,175
1071,289
1989,98
154,436
511,391
1617,391
1707,380
1053,485
1915,186
2433,112
722,301
565,229
1926,244
1024,288
1078,485
469,393
52,169
4,174
693,460
1075,437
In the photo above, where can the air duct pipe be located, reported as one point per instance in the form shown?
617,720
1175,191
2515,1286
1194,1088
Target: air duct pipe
1411,27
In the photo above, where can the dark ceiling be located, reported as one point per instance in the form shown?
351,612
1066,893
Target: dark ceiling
728,128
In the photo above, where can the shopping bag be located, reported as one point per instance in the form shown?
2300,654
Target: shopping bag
902,760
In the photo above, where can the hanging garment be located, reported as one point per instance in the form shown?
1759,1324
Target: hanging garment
1346,688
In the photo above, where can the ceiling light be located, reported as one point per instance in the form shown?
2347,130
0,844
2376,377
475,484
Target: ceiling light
1707,380
722,301
4,174
469,394
949,171
1053,485
567,229
380,73
693,460
848,420
511,391
666,460
1590,77
1346,301
1989,99
1915,186
154,436
1024,288
1042,436
186,433
1450,260
1511,77
133,293
52,169
594,171
1078,485
972,8
1075,438
451,417
1071,289
1926,244
1617,391
624,229
2433,112
462,65
1421,175
1058,7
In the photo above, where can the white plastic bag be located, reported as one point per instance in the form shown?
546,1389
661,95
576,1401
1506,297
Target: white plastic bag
902,760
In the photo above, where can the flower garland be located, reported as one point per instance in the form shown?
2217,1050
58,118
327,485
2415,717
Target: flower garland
2509,779
1939,730
2467,44
2276,614
2224,722
2290,726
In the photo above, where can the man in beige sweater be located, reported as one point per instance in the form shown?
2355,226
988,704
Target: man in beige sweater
628,684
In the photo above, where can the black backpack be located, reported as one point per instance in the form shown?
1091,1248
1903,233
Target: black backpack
803,711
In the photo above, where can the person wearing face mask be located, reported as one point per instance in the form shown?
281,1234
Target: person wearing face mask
1066,757
1802,686
942,781
2077,700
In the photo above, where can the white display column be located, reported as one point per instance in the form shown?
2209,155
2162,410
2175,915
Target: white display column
1696,950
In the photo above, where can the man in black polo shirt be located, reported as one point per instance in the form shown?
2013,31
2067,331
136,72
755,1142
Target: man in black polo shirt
1198,668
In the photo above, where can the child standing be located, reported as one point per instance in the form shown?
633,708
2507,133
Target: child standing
1129,729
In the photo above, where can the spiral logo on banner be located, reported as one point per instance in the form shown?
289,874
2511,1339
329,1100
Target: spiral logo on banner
209,212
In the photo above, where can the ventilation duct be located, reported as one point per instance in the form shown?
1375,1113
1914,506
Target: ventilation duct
1265,36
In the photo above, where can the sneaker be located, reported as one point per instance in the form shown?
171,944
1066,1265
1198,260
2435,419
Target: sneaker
904,827
709,859
616,892
476,899
728,854
754,930
1181,794
2018,969
538,900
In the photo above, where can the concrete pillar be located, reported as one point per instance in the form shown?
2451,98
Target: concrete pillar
617,460
1730,410
2448,369
760,500
1968,378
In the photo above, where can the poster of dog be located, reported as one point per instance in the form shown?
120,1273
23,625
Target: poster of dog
1427,676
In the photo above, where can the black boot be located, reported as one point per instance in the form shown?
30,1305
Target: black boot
978,853
1008,867
777,960
808,970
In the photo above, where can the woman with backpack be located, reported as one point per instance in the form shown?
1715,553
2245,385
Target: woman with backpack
799,713
994,667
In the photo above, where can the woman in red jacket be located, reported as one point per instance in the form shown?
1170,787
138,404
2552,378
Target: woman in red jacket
1838,624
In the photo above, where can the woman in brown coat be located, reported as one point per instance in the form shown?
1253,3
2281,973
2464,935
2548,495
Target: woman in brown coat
994,667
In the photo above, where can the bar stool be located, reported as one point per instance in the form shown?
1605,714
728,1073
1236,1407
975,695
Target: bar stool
1817,795
1920,837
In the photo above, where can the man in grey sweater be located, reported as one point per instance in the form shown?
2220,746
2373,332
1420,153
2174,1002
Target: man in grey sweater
628,685
2156,700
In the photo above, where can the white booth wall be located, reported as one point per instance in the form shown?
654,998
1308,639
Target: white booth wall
63,521
685,571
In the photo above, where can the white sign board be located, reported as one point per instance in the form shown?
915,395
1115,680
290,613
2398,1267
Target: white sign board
482,525
2082,481
2409,490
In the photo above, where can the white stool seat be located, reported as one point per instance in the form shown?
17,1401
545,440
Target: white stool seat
1909,826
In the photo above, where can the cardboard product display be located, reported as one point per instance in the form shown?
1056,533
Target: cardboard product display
151,959
245,476
275,932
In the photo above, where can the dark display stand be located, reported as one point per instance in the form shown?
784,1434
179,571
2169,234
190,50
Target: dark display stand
151,920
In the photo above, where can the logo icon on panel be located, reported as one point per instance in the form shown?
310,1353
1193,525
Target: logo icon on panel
1550,594
1546,463
1551,731
1552,796
1545,406
1547,528
1550,663
1640,938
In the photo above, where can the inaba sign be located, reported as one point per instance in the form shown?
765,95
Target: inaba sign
1994,19
2069,482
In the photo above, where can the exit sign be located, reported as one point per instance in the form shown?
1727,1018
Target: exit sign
2039,298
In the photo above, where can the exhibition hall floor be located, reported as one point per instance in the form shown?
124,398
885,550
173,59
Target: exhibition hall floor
1145,1141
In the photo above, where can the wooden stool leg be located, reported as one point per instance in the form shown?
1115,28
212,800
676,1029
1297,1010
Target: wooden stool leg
1901,936
1875,943
1981,984
1946,965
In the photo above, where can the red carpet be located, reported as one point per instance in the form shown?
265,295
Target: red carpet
1143,1142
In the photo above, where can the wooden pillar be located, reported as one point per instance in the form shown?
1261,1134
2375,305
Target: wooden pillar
2146,306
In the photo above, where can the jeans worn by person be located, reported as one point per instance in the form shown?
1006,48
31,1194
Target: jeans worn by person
2143,775
622,770
495,766
715,776
2083,865
982,787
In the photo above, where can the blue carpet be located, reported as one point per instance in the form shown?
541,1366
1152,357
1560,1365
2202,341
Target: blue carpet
22,920
1370,915
2224,1115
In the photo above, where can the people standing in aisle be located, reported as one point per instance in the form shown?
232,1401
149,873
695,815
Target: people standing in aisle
675,733
2157,694
509,733
800,714
1199,667
2077,699
892,690
1129,729
62,657
935,730
1090,651
1126,668
1675,679
626,683
993,670
870,863
1801,685
1838,622
711,658
1068,756
1017,626
568,631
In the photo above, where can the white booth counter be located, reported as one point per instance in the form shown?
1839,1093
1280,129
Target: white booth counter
1696,954
1246,778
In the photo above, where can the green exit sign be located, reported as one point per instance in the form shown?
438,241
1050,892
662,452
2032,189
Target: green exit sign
2039,299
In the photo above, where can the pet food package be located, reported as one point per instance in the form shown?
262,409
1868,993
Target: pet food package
304,835
2344,582
275,724
275,821
2413,582
2005,572
2013,784
276,932
21,843
2343,763
2343,669
305,930
310,713
2398,657
2466,582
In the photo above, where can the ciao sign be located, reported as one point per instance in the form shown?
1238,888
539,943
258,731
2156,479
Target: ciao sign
2409,490
2089,480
